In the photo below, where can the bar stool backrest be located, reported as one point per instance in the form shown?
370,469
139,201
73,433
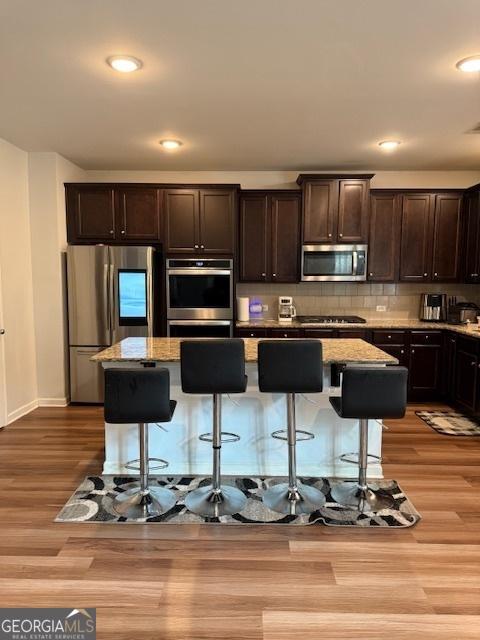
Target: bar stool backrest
290,366
137,395
374,392
213,366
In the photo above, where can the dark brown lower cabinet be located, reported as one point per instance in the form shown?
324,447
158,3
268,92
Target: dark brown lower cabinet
466,374
425,366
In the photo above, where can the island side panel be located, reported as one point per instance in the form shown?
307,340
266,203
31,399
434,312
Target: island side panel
252,415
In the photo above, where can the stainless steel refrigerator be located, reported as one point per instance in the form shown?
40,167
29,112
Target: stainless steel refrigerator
110,297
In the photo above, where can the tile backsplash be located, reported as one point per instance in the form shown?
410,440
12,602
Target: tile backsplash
310,298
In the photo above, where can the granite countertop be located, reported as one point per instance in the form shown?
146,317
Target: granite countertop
392,323
335,350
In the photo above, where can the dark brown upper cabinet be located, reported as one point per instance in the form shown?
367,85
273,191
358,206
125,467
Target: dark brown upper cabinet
200,221
446,237
384,237
90,213
430,237
217,221
269,236
182,232
138,218
335,208
416,244
472,235
285,236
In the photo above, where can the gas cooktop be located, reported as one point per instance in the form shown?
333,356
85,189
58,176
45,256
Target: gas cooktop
330,319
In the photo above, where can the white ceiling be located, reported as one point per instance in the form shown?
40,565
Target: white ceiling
247,84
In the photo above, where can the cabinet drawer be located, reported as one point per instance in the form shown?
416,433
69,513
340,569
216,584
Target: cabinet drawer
320,333
426,337
353,333
251,333
388,337
285,333
468,345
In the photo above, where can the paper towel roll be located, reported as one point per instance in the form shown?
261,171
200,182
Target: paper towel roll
243,312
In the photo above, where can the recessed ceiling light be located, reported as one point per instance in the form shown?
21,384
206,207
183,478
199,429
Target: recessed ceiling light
472,63
389,145
125,64
171,144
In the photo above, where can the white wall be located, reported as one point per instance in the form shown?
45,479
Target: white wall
287,179
16,282
47,172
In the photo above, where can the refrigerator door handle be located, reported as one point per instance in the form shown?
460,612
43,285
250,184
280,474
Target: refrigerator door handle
111,305
150,292
106,297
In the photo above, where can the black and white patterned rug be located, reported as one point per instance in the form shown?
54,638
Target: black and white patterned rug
450,423
92,502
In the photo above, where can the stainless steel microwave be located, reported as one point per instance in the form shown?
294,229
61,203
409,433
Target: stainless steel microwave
334,262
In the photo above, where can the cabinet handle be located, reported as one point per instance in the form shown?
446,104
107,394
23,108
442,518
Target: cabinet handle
252,335
274,275
427,337
435,274
111,232
425,275
264,275
412,351
122,231
340,235
402,351
202,246
473,363
370,274
329,235
389,337
196,246
474,275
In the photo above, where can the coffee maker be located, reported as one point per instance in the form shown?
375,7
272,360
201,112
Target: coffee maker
433,307
286,310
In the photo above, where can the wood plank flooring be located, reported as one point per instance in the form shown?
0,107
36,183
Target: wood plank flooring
270,583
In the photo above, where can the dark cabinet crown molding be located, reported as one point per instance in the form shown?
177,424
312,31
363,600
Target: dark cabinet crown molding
156,185
304,177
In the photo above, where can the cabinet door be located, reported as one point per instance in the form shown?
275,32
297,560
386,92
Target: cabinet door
139,214
415,247
424,371
384,241
285,237
251,333
286,333
446,237
253,238
90,213
362,334
472,236
466,373
217,233
399,352
320,211
181,220
353,203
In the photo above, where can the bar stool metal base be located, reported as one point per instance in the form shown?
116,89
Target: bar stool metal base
135,503
301,499
349,494
210,502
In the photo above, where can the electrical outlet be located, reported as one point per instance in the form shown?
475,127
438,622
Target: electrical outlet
381,307
264,307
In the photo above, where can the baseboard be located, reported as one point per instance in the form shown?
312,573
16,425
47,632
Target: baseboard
52,402
22,411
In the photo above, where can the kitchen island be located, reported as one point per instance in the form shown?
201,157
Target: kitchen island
252,415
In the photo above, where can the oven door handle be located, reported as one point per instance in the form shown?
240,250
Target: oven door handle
199,272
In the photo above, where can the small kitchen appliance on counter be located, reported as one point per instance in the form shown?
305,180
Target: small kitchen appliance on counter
286,310
433,307
463,312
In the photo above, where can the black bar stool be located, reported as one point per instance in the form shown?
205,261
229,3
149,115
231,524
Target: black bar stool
214,367
290,367
141,396
368,393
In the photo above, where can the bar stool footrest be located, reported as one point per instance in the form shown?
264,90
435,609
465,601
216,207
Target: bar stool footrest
134,465
301,435
225,436
352,458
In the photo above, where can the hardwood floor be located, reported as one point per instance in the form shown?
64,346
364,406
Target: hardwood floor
271,583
